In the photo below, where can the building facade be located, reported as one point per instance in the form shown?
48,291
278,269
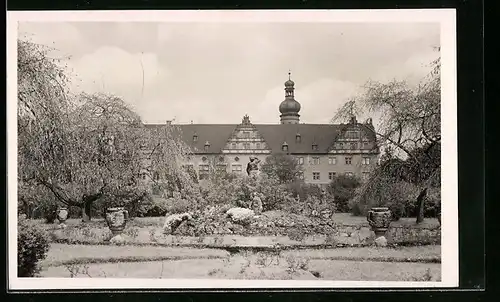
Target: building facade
323,150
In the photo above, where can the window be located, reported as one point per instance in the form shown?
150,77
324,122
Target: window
204,159
366,160
315,175
315,161
300,160
331,175
341,146
257,145
246,145
365,145
156,176
207,145
298,138
221,167
195,138
188,166
203,171
284,147
354,146
348,160
349,174
233,146
236,158
301,175
366,175
332,160
236,168
221,159
246,134
315,147
352,134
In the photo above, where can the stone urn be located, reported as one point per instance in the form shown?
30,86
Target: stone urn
116,218
62,214
379,220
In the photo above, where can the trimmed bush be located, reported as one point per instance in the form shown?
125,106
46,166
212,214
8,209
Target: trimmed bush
32,246
343,188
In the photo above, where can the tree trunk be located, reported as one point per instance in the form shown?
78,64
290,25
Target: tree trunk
86,215
420,205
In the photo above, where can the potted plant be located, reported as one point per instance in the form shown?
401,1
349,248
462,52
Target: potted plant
116,218
379,219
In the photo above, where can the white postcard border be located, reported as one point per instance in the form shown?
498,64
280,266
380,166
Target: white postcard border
449,244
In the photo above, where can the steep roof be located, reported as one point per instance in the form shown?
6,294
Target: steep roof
323,135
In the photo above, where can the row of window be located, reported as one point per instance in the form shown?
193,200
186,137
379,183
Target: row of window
331,175
247,146
204,171
316,160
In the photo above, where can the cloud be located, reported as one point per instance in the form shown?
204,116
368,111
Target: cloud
65,39
115,71
215,73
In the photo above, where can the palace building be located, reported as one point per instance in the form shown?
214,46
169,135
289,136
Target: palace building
323,150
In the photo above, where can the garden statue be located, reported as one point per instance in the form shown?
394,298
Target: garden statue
253,167
116,218
62,215
257,204
379,220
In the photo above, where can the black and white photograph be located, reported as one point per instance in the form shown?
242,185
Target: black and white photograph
232,149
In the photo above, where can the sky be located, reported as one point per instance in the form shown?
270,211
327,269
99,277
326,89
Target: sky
218,72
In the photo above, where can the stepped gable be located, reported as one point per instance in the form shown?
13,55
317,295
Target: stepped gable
254,136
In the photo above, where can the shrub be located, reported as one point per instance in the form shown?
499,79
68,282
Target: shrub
32,246
343,188
385,193
152,207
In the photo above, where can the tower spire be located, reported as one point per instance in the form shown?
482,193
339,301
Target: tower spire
289,108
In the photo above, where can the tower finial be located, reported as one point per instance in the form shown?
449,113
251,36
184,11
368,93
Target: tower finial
289,73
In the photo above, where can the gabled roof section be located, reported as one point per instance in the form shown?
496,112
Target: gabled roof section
322,135
215,134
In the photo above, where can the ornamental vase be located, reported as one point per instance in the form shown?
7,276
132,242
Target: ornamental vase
379,220
62,214
116,218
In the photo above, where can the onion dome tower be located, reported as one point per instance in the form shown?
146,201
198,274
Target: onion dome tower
289,108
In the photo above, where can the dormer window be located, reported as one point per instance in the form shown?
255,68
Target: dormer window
298,138
315,147
195,137
284,147
207,145
233,145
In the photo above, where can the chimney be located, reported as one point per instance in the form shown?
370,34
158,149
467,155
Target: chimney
169,122
353,120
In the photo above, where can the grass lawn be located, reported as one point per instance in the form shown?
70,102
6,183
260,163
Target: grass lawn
239,267
367,263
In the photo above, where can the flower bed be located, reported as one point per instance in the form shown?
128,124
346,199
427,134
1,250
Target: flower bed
278,227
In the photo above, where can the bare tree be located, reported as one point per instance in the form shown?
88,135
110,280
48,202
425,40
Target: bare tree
81,148
410,124
283,167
